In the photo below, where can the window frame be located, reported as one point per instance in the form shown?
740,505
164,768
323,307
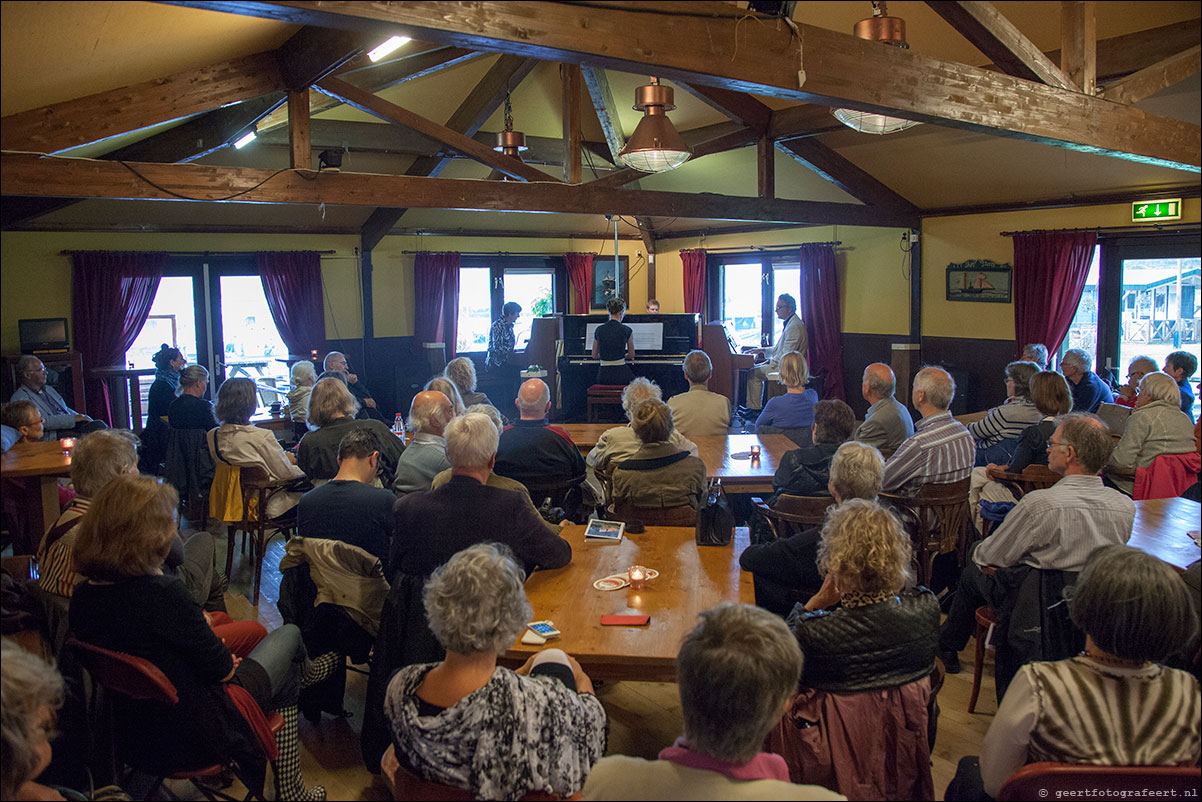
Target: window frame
715,263
501,265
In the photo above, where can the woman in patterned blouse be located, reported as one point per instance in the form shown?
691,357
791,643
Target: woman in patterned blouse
468,723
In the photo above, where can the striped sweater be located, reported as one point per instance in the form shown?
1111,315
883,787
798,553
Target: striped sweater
1006,422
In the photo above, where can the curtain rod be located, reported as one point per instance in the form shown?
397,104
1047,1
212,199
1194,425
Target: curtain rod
195,253
1166,228
495,253
768,247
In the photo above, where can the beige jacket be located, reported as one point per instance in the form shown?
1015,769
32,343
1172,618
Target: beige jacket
345,575
1153,429
700,413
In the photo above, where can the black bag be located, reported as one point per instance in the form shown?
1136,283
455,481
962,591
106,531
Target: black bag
715,521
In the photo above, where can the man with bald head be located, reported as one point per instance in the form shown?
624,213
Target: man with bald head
533,450
336,361
941,450
888,422
426,456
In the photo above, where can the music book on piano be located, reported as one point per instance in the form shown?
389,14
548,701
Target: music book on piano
604,531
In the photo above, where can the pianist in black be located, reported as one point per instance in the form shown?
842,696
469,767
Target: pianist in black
613,344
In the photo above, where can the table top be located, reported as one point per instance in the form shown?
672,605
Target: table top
1162,527
265,420
586,435
36,459
743,475
692,579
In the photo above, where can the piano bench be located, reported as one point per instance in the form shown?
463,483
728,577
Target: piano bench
603,395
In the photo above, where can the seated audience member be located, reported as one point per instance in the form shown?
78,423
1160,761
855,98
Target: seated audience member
941,449
426,456
441,384
98,459
60,419
792,338
128,605
532,449
332,411
1053,529
462,372
348,507
887,423
494,480
619,443
1135,612
806,471
997,433
659,474
794,409
336,361
1089,391
1037,353
792,562
1157,426
735,671
1180,365
867,695
698,412
468,723
1050,395
190,409
25,420
1136,370
238,443
303,376
430,527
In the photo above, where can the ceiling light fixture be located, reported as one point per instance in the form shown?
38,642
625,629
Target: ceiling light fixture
510,142
245,140
387,47
880,27
655,145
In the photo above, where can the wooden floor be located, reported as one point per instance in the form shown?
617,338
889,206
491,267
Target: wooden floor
644,716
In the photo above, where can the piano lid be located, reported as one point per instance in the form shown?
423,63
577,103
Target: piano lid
675,335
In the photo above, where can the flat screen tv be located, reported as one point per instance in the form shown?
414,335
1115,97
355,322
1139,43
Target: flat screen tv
43,334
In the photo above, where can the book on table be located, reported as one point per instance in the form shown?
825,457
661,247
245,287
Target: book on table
605,531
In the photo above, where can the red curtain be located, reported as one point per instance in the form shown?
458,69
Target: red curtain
694,280
292,284
436,298
823,322
112,293
580,274
1050,270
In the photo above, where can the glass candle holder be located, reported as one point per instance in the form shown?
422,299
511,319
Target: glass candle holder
755,451
68,444
638,577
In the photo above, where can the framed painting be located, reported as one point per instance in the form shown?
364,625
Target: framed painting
980,281
605,280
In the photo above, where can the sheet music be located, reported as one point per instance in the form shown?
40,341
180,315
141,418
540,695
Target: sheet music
647,336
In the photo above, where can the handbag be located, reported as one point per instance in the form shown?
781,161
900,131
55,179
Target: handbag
715,521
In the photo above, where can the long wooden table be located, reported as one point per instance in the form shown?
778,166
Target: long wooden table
37,466
692,579
1162,527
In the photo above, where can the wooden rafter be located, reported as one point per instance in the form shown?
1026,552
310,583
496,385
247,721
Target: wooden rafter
995,36
72,123
838,69
572,86
22,174
766,167
738,106
202,135
1078,44
299,144
602,96
312,53
844,174
1150,80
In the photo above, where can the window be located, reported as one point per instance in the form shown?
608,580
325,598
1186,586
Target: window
748,286
172,320
486,285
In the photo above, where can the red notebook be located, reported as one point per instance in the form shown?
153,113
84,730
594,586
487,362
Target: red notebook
624,620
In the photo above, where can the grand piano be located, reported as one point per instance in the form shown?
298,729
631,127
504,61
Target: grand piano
675,336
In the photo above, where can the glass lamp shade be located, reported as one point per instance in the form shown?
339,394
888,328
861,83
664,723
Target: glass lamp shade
655,145
868,123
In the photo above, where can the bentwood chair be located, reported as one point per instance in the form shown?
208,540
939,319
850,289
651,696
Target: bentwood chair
1060,780
937,520
257,489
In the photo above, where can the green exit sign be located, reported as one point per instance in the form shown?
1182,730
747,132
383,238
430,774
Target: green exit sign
1167,209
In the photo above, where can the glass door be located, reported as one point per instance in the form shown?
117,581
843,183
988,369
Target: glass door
246,341
743,302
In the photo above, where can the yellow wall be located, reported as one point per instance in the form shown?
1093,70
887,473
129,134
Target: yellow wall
955,239
36,275
874,284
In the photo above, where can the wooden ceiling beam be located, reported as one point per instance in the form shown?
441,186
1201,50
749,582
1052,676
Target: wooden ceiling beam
378,107
1150,80
1078,44
738,106
61,126
766,167
602,96
571,88
844,174
22,174
201,135
984,26
299,144
838,69
1122,55
312,53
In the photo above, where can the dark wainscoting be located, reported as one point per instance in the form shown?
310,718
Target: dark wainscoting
859,351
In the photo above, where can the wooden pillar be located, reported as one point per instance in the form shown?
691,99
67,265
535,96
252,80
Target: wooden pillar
572,83
766,167
298,129
1078,45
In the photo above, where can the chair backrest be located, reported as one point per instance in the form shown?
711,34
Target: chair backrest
683,515
937,521
1046,780
555,487
126,674
807,510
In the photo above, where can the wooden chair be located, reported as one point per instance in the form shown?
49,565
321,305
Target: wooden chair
257,490
404,784
600,395
793,513
683,515
937,521
141,680
1047,780
985,617
1032,477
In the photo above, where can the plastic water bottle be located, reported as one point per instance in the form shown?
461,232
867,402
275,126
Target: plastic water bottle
398,425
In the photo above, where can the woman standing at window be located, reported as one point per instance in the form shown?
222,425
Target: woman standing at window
613,344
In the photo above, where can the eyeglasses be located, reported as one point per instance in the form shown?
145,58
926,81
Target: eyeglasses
1052,443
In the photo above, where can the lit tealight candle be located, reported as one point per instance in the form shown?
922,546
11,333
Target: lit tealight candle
638,577
755,451
67,443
